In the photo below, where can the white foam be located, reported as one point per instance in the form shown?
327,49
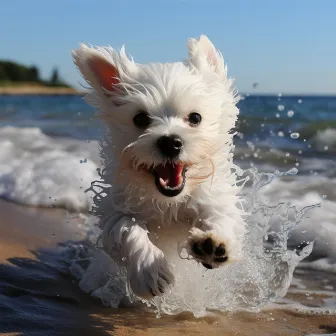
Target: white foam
320,225
38,170
325,139
323,264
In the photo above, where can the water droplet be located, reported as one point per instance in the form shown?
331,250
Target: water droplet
79,113
281,134
281,107
294,135
324,197
80,161
266,238
326,148
277,115
300,101
133,219
287,154
292,171
88,141
280,95
290,113
300,151
297,164
304,231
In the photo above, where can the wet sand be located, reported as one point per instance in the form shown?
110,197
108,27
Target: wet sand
38,296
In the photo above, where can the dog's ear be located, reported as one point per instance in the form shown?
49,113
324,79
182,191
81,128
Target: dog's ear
204,56
96,68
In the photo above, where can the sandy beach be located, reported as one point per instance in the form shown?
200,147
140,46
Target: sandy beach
37,90
39,299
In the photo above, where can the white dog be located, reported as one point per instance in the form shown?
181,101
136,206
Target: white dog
168,161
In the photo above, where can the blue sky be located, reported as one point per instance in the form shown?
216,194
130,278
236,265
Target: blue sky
287,46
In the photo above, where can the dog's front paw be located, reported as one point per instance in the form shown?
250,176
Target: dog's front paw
150,279
208,249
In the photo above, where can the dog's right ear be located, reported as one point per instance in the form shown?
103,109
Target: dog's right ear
204,56
96,68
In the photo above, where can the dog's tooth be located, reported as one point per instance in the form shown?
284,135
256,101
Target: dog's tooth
162,182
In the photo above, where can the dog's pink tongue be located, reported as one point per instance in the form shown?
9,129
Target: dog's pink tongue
170,174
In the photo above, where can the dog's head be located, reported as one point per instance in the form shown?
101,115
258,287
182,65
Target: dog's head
169,123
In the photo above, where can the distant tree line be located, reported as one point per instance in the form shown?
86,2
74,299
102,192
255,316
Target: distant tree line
12,72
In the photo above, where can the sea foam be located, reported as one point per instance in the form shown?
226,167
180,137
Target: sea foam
38,170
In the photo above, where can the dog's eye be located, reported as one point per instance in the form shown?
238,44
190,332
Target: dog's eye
142,119
194,119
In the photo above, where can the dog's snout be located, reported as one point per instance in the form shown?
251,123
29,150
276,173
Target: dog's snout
170,145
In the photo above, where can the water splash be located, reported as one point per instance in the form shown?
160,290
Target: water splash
263,275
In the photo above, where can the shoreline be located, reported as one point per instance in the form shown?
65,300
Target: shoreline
39,91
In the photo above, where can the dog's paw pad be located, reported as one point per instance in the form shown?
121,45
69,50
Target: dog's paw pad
208,251
220,250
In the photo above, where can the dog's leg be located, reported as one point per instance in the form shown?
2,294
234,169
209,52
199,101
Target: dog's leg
148,272
216,240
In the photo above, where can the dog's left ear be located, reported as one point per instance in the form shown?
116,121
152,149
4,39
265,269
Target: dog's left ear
96,68
204,56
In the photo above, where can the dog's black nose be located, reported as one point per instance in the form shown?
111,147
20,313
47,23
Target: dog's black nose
170,145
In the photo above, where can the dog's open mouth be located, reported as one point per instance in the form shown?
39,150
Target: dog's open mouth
170,178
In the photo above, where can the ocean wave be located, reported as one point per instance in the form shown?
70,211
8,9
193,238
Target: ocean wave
319,226
323,264
310,130
39,170
325,140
